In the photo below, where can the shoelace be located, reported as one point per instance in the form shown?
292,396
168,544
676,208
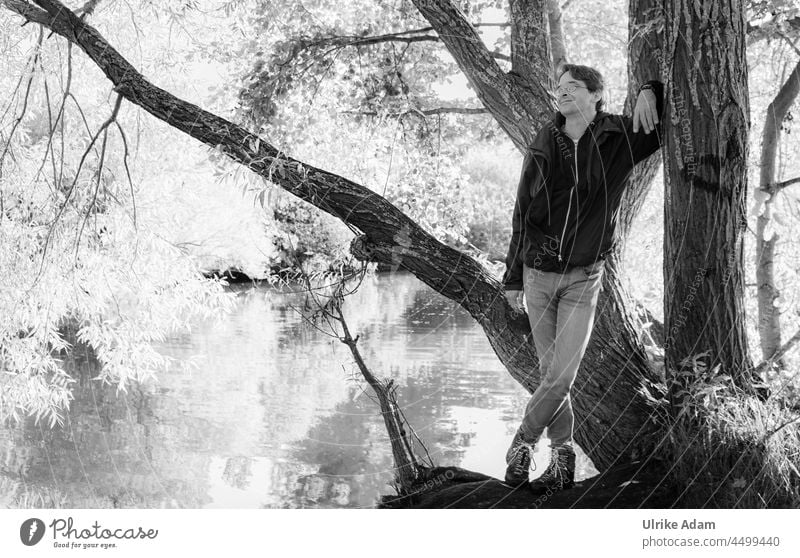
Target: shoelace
522,462
550,473
557,464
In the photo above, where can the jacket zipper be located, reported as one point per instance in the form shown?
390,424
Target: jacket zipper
569,204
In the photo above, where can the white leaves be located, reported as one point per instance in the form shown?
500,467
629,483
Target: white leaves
123,289
124,296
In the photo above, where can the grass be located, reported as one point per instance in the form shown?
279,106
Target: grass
17,495
729,449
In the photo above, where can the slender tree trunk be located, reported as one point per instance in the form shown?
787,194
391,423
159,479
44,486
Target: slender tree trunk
408,468
530,47
558,47
705,214
769,325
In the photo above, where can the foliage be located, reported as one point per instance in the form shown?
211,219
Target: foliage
354,108
20,495
107,225
728,449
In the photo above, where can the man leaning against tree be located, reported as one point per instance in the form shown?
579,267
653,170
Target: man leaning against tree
573,177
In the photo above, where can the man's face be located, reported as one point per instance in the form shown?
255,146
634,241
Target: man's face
580,101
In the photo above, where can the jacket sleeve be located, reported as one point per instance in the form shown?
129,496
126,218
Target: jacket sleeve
643,145
533,174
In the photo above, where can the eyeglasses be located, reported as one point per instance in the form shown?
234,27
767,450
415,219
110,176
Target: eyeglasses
568,88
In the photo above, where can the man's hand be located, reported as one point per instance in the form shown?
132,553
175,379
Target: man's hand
645,111
514,298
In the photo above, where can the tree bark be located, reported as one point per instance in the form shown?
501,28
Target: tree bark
769,325
705,215
530,49
617,395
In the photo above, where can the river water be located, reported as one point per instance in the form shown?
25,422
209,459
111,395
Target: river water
274,413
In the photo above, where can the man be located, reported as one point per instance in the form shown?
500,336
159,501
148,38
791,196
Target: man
568,198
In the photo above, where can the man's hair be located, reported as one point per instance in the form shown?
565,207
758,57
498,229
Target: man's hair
591,77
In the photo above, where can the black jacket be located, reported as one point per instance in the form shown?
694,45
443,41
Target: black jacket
562,220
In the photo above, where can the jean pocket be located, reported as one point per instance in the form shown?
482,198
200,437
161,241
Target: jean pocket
595,269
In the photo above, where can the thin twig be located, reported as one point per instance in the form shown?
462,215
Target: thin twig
98,174
125,154
780,185
422,112
68,195
782,426
779,353
18,120
59,119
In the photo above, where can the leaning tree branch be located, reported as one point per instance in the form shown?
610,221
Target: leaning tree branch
389,236
510,97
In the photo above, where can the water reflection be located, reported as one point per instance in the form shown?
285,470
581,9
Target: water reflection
275,414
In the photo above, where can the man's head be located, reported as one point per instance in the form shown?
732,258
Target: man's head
587,96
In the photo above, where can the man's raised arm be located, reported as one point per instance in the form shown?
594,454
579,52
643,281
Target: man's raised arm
644,128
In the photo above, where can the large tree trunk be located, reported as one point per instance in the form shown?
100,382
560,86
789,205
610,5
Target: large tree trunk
617,395
705,216
769,325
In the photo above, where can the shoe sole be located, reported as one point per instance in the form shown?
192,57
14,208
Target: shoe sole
515,484
512,486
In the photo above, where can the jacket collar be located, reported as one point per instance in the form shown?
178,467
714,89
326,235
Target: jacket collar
602,122
544,145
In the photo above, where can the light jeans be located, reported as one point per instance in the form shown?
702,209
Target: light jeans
561,310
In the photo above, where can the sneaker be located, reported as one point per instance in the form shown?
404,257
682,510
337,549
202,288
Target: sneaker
560,473
518,461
